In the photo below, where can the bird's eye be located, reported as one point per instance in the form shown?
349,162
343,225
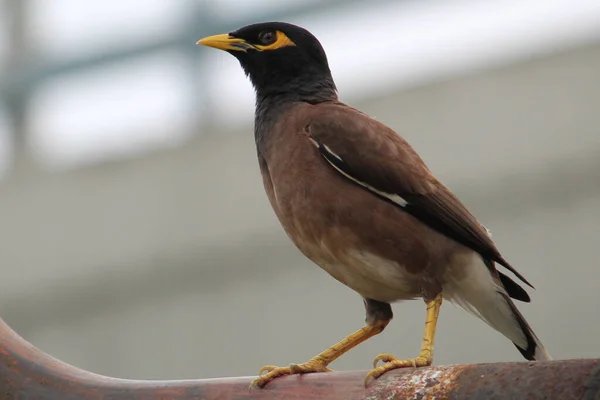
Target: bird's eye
267,37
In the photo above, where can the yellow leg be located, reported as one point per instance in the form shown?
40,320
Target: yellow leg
320,362
425,357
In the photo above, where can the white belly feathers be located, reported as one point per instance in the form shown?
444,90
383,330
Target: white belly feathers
371,276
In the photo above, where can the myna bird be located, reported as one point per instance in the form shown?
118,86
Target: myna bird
357,200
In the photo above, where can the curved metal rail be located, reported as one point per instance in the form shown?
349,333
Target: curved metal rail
28,373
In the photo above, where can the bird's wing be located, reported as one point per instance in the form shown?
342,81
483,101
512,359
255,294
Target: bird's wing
374,157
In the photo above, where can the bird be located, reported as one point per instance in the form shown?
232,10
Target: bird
357,200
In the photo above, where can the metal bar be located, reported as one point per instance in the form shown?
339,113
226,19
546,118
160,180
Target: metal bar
17,104
28,373
26,78
22,77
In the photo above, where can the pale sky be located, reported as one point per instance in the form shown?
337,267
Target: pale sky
148,102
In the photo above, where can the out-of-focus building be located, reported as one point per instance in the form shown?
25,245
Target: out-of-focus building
136,239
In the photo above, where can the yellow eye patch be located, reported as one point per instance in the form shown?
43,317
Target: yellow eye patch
281,41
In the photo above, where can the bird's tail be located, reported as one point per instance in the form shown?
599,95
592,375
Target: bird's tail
483,295
531,348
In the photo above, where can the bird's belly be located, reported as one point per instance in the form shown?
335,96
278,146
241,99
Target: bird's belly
370,275
369,245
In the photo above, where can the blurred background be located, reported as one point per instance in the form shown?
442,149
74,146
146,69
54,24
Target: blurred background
136,239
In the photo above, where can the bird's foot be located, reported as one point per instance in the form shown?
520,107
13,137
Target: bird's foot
390,362
270,372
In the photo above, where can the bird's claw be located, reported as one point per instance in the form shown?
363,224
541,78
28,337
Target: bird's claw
390,362
385,357
270,372
267,369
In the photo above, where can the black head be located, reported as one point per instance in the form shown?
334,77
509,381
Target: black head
281,60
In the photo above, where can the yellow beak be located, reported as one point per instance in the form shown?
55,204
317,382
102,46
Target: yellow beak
225,42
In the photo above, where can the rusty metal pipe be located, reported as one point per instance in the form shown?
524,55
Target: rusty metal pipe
28,373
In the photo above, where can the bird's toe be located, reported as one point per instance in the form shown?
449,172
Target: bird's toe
391,362
310,366
266,369
267,374
385,357
270,372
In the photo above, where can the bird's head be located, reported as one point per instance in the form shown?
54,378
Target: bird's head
280,59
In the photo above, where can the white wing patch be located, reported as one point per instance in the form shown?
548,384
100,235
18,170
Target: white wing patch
487,230
331,152
390,196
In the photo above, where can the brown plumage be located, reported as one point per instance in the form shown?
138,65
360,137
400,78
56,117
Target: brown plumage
357,200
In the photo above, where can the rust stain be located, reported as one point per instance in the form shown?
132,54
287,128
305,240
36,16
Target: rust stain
433,383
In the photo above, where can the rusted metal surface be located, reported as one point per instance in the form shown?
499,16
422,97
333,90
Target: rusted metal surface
28,373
